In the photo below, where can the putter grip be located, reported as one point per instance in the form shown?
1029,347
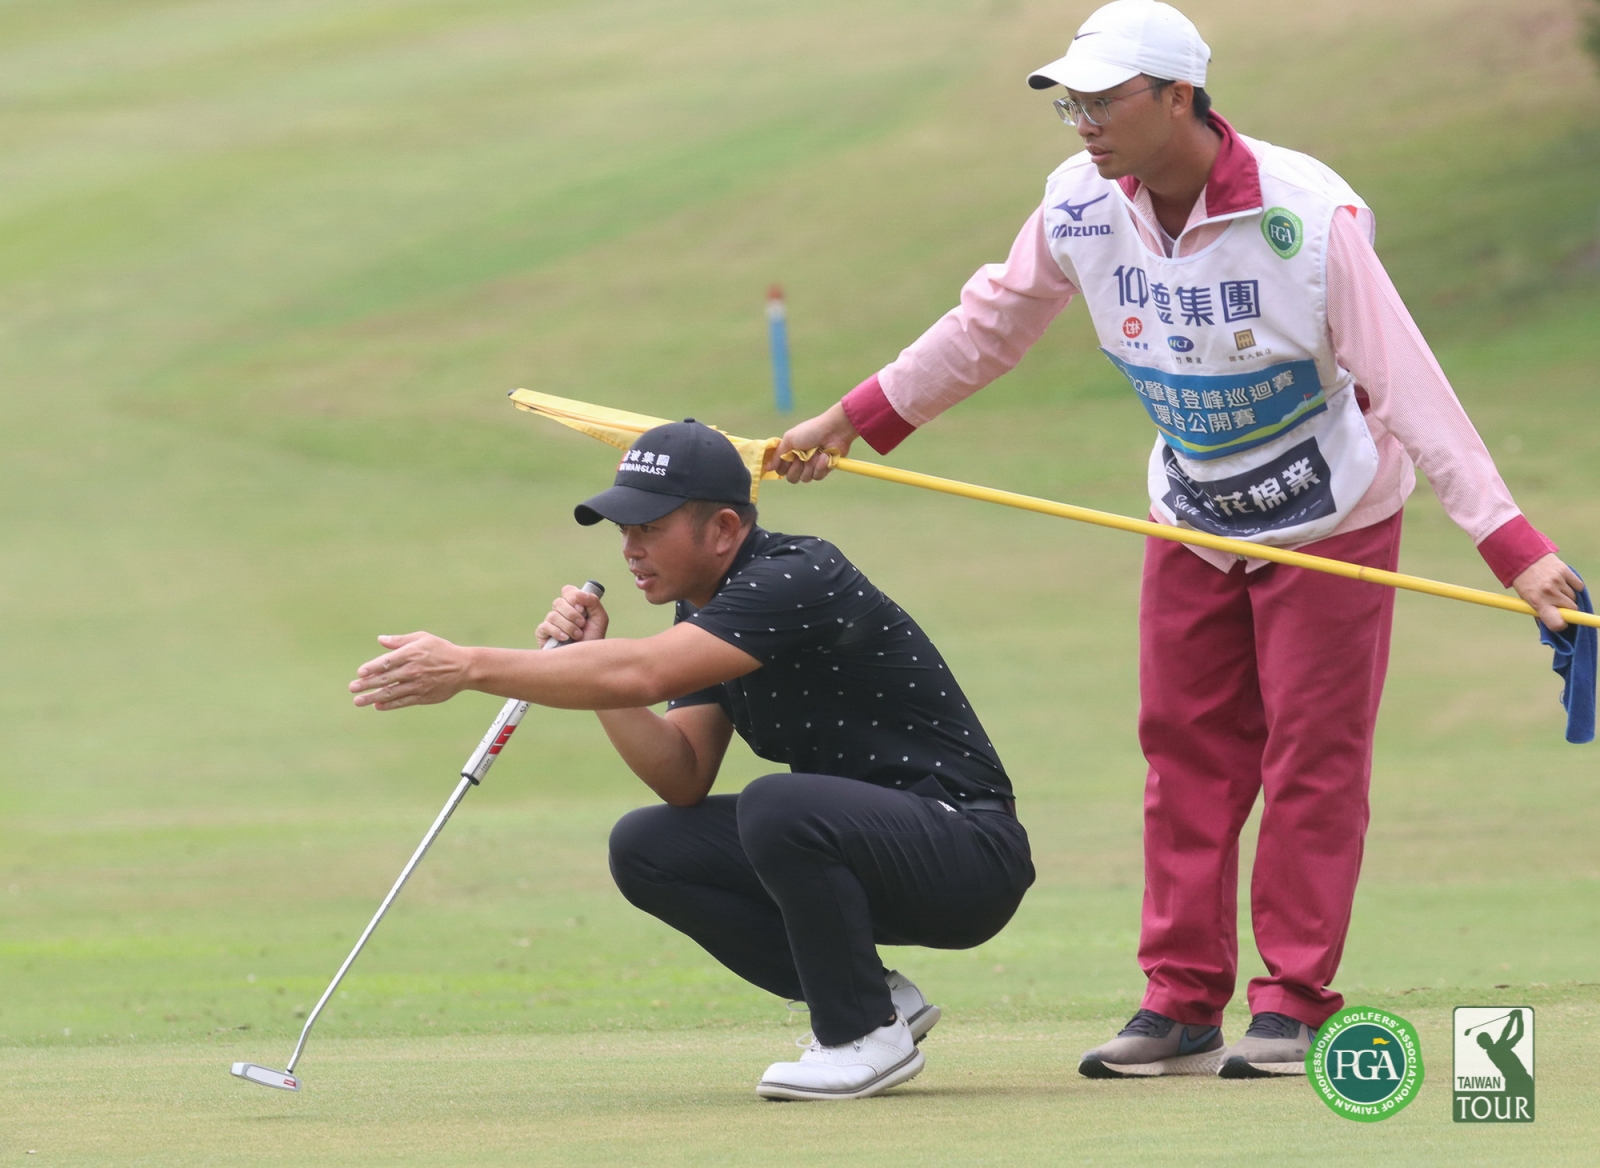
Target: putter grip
510,716
595,589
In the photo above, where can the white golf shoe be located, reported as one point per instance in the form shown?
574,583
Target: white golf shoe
919,1013
852,1070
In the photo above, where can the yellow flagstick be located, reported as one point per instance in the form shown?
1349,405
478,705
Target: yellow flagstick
1203,539
619,428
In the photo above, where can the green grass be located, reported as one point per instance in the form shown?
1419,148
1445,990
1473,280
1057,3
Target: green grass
1007,1094
266,270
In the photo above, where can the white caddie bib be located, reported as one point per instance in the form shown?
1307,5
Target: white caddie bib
1261,437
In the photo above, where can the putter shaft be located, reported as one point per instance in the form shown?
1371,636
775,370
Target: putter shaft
466,784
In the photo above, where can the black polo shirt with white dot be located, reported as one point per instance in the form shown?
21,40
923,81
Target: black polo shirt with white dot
848,684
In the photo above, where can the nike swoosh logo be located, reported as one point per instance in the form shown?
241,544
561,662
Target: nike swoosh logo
1188,1045
1081,35
1075,210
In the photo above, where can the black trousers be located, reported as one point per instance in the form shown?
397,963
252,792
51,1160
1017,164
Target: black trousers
793,882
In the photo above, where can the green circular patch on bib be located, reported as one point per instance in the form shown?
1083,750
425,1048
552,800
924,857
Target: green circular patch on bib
1366,1064
1284,231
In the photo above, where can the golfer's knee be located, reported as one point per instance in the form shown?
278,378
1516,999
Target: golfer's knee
776,814
635,851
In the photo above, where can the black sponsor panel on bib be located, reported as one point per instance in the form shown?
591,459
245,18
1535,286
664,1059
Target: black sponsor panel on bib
1294,488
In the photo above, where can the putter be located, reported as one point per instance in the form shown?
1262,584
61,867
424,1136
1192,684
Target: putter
477,766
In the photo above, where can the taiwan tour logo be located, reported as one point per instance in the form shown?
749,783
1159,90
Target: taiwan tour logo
1284,231
1493,1064
1366,1064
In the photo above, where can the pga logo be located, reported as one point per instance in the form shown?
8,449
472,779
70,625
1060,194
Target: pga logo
1366,1064
1132,327
1180,344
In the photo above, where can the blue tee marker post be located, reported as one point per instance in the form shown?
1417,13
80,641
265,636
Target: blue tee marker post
778,343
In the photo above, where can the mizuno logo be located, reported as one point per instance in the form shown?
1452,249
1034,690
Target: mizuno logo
1064,230
1075,210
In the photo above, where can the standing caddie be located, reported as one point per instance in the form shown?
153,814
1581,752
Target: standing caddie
896,824
1235,285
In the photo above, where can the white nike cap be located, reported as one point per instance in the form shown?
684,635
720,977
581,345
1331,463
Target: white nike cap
1124,39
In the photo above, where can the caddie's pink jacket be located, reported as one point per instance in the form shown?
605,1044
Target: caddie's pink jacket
1413,414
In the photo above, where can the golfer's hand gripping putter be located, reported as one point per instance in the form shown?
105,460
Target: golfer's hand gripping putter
501,729
477,766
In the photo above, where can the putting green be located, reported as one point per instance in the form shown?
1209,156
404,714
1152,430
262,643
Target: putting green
1000,1094
266,272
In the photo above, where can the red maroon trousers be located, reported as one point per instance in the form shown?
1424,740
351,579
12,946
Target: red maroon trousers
1263,682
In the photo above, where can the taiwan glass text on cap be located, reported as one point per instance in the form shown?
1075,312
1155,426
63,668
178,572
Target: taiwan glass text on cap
664,469
1124,39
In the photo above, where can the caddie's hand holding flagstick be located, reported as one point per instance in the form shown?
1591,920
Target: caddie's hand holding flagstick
830,431
1548,585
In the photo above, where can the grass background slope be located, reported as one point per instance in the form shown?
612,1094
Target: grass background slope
266,270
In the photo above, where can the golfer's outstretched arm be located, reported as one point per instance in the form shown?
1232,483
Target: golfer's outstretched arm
677,756
419,669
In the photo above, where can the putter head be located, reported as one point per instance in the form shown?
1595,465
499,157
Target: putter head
266,1076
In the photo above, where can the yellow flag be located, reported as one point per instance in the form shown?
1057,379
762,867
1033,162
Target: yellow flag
619,428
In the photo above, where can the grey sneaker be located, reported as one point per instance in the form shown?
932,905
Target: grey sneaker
1275,1044
919,1013
1153,1044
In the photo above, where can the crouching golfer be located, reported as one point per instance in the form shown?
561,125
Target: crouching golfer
896,823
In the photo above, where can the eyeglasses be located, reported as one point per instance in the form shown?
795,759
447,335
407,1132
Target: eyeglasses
1096,109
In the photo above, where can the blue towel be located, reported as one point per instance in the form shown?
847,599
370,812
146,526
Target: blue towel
1575,648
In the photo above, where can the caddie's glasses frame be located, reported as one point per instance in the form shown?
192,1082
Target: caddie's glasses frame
1096,109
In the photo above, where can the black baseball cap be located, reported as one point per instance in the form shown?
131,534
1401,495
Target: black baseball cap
664,469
